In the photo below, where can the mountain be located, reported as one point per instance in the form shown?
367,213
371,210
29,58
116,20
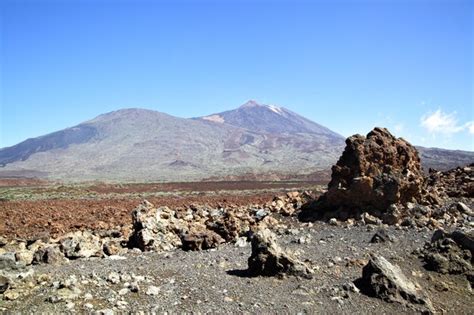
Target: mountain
270,119
254,141
144,145
442,159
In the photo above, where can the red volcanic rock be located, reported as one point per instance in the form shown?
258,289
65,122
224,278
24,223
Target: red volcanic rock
373,173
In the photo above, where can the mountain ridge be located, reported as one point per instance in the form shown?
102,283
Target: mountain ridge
135,144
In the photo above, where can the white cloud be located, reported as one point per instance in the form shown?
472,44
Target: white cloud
470,127
444,123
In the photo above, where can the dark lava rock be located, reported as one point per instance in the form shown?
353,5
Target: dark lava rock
268,259
386,281
450,252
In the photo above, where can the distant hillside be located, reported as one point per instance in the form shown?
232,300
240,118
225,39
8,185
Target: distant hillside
441,159
253,141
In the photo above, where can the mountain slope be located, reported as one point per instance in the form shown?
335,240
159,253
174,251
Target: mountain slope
253,141
142,145
270,119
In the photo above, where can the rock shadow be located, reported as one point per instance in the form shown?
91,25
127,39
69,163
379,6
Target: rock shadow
241,273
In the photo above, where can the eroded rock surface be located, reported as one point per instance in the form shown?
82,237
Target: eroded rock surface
268,259
154,228
450,252
458,182
373,173
386,281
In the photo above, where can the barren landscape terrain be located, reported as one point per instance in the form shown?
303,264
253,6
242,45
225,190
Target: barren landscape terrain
381,236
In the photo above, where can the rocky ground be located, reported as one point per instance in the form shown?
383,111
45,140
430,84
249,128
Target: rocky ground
383,238
215,280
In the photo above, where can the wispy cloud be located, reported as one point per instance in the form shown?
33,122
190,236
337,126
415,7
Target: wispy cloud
444,123
470,127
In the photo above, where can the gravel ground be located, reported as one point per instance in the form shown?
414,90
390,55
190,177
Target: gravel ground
214,281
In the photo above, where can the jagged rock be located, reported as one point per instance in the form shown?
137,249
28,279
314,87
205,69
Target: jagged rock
232,224
154,229
393,215
48,255
201,240
268,259
381,236
112,247
464,209
370,219
8,261
452,183
113,277
152,290
81,244
386,281
373,173
450,252
11,295
24,257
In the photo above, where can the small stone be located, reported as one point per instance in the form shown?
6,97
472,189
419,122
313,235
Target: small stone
89,306
70,305
464,208
152,290
350,287
134,287
125,277
381,236
88,296
241,242
11,295
260,214
333,221
4,284
370,219
113,277
124,291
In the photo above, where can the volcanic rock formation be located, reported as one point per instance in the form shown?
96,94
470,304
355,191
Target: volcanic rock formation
373,173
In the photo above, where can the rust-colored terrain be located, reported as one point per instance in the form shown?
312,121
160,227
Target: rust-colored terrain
33,208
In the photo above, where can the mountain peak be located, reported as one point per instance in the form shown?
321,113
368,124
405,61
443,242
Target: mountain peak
250,103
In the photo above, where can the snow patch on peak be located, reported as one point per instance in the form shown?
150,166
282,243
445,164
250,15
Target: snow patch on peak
275,109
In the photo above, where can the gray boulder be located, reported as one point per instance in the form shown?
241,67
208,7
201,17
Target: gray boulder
386,281
268,259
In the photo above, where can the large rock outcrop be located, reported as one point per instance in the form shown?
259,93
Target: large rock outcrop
373,173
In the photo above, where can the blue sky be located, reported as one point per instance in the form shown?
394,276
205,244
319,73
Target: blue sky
349,65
